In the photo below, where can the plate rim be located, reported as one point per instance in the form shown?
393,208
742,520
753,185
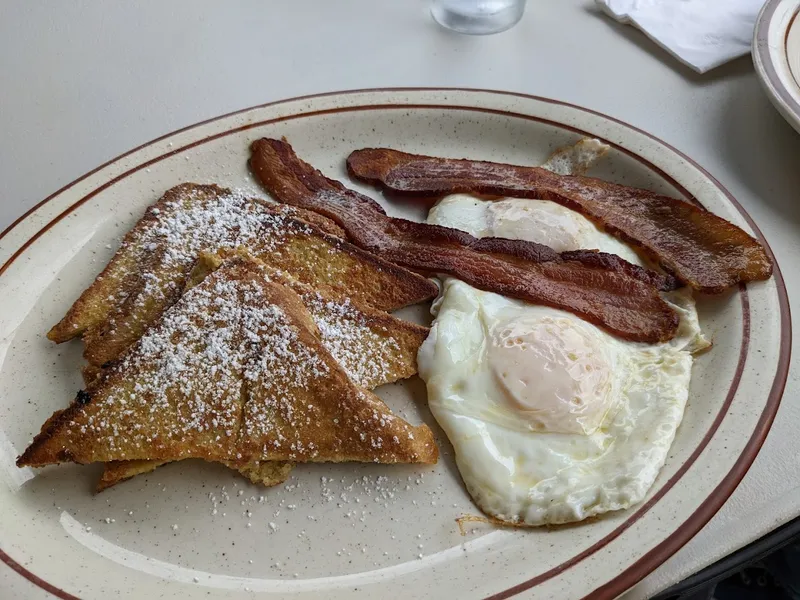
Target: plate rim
782,97
713,502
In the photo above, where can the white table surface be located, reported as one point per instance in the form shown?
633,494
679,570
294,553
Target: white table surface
81,82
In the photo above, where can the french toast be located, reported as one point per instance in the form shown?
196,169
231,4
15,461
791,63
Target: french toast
266,473
373,347
149,271
233,372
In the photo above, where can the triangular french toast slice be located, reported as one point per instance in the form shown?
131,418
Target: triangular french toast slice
149,271
373,347
233,372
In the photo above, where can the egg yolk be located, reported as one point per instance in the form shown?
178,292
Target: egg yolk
553,374
538,221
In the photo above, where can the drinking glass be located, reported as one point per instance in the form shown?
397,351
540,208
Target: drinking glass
477,17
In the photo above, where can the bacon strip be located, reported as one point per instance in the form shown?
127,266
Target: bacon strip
598,292
703,250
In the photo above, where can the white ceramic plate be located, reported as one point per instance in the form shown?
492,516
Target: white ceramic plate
776,56
352,530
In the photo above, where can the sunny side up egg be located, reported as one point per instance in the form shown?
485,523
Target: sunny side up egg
552,419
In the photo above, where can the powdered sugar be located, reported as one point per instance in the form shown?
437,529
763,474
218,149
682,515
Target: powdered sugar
194,224
280,373
365,355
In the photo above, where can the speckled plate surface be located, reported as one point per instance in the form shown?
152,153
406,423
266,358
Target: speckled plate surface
776,56
333,531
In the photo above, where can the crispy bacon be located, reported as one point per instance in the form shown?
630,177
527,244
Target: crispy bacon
604,293
703,250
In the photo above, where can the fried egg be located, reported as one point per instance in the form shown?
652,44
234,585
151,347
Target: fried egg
552,419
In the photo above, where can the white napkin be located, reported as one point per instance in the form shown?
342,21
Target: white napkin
702,34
